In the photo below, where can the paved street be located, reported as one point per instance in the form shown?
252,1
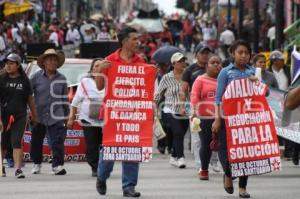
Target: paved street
157,180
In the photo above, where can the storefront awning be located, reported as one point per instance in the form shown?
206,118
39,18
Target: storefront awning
15,8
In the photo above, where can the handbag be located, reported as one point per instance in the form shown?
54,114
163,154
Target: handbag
214,144
158,130
95,105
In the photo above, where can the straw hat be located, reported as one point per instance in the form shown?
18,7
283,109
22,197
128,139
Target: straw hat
60,57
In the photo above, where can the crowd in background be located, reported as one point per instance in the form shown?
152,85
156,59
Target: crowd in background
186,31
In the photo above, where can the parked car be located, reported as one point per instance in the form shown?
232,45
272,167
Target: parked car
74,70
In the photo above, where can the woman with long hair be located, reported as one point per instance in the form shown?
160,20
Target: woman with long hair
241,53
16,94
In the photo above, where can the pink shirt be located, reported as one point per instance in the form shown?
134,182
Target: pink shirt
203,95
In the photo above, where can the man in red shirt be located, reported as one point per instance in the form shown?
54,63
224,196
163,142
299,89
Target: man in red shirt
127,54
187,34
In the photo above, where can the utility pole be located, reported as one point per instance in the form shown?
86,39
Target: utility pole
208,8
88,7
279,24
241,18
256,25
298,11
58,10
197,6
44,10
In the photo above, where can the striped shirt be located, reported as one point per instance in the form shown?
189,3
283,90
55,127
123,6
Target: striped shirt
169,89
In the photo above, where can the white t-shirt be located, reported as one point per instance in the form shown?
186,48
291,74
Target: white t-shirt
73,36
16,35
2,48
207,33
283,82
271,33
2,44
54,38
227,37
82,102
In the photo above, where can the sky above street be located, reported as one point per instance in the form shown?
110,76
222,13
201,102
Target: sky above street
168,6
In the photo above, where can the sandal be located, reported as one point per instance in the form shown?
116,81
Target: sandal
244,195
229,190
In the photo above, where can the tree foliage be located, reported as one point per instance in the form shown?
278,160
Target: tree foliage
185,4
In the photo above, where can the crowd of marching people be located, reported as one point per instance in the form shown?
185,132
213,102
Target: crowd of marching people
181,87
178,30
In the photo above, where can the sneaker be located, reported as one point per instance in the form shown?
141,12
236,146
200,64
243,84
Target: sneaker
10,162
59,170
181,163
131,193
3,172
36,169
50,160
203,175
19,174
215,167
173,161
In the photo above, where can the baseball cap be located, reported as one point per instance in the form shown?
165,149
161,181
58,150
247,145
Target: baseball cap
276,55
13,57
201,47
176,57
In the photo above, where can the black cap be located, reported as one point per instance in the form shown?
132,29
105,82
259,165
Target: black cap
201,47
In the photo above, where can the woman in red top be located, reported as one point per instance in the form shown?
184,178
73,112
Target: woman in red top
166,37
202,101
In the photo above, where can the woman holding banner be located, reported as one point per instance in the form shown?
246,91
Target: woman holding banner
176,124
241,52
202,101
86,99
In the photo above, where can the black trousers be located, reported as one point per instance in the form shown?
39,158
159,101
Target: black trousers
56,134
177,127
93,141
36,146
205,138
223,156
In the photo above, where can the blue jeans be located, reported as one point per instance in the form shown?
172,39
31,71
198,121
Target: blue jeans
130,172
188,40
